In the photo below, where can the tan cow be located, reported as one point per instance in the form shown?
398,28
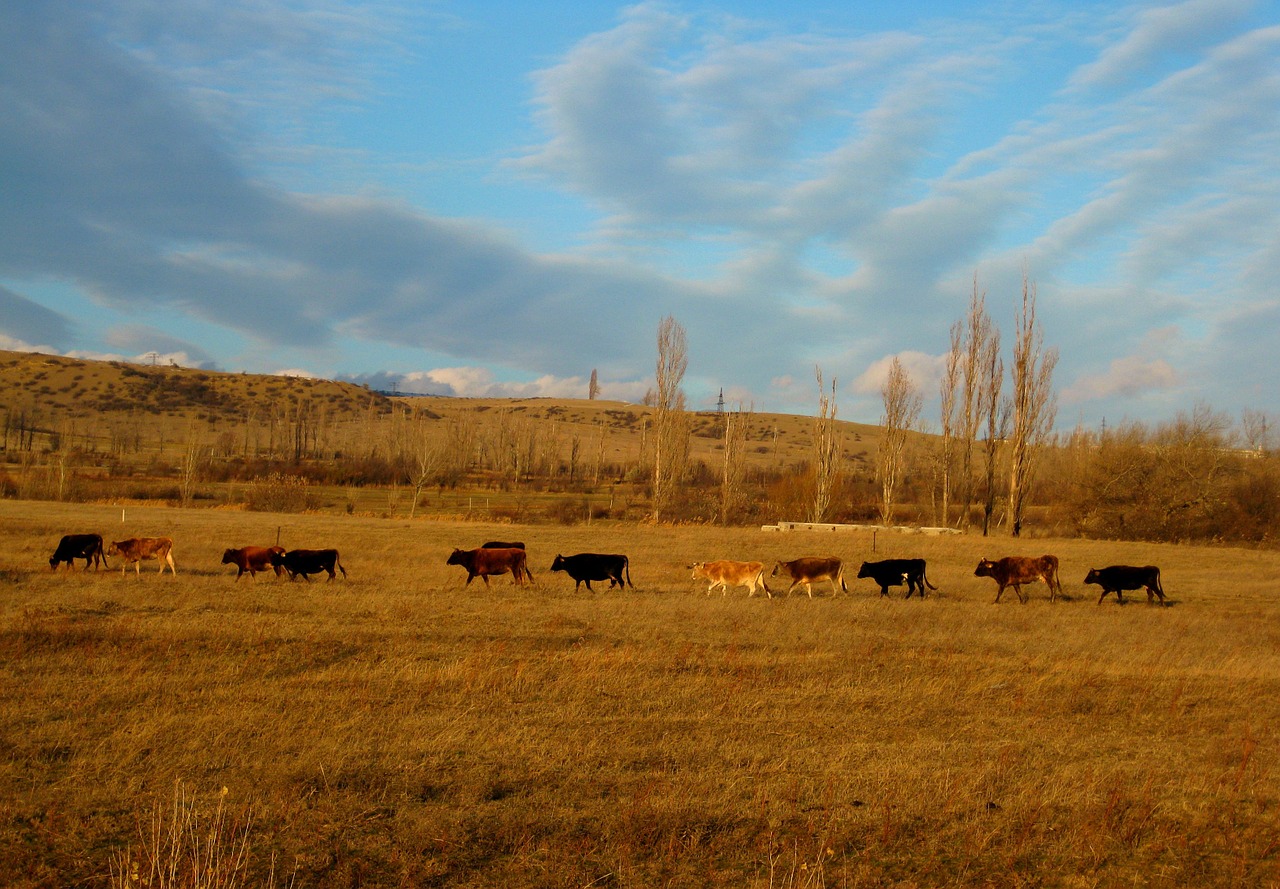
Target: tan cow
809,569
724,573
136,549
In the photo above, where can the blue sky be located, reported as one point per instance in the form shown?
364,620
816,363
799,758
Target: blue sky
497,198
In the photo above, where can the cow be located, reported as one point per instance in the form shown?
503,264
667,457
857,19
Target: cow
307,562
138,549
586,567
809,569
1118,578
253,559
897,572
724,573
79,546
487,561
498,544
1014,571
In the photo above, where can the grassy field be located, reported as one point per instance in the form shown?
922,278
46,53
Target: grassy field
398,729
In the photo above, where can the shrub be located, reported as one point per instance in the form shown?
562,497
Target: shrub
278,492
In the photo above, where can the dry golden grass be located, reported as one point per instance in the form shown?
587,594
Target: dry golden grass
399,729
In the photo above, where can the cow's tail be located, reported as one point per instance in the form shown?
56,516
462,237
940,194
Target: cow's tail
924,578
626,569
337,562
1160,588
99,553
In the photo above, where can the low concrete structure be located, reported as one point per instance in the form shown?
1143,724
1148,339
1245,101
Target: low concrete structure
831,526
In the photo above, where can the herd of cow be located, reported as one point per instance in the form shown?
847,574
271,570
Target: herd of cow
137,550
508,557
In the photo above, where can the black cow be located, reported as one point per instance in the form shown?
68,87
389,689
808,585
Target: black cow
896,572
498,544
309,561
586,567
79,546
1117,578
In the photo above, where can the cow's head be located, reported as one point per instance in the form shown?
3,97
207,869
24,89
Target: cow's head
114,548
558,564
864,571
984,568
1092,576
228,557
457,557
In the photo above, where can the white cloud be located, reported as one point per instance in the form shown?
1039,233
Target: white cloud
923,370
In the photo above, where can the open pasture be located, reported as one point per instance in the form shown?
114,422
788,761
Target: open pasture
398,729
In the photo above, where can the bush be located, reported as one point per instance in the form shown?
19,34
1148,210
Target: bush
278,492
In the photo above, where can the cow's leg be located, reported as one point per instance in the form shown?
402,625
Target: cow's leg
999,593
1022,597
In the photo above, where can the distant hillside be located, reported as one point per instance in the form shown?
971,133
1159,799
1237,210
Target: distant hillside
74,387
47,392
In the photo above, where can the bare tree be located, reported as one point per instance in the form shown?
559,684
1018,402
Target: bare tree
902,405
670,423
736,424
193,458
1256,428
426,455
975,389
1034,402
825,450
593,388
947,392
996,412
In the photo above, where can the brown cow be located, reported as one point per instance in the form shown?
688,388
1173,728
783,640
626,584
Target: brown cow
808,569
253,559
724,573
1014,571
483,562
137,549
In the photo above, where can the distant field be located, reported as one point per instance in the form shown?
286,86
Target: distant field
400,729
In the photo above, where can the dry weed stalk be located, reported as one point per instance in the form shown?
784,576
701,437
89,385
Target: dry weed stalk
181,849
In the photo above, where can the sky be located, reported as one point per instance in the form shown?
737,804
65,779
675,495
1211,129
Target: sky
496,198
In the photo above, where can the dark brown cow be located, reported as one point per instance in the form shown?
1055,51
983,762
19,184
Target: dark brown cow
484,562
809,569
138,549
1118,578
725,573
253,559
1014,571
79,546
307,562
